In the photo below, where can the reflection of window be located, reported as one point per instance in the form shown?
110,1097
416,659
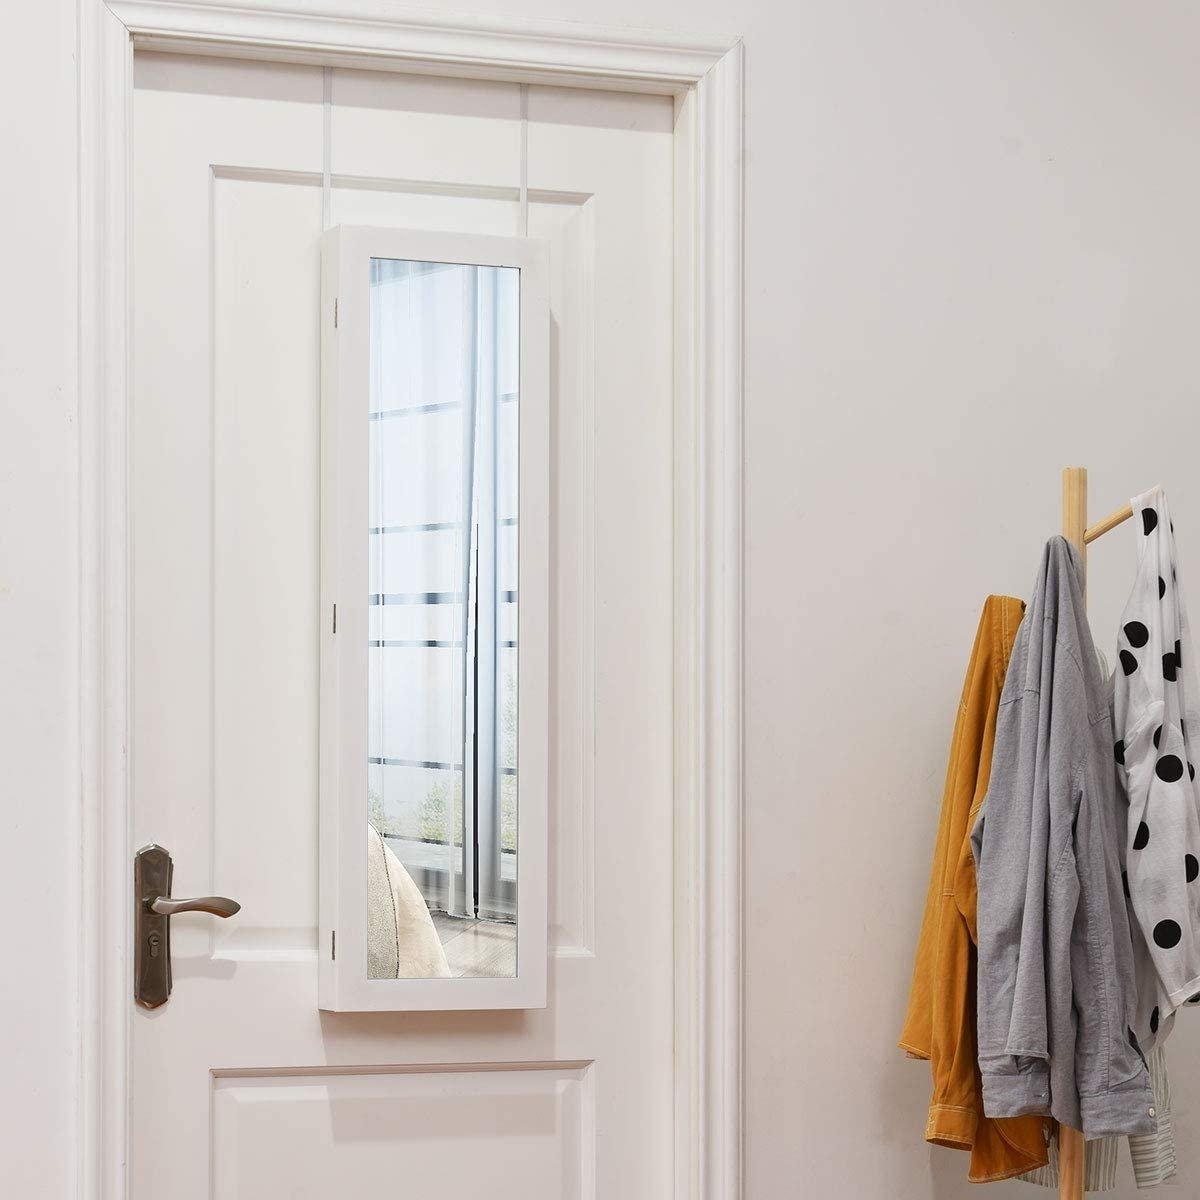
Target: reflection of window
443,578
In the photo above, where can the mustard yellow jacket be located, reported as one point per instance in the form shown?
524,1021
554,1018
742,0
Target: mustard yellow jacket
940,1025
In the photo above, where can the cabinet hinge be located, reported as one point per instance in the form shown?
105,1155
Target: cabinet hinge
335,312
335,618
333,944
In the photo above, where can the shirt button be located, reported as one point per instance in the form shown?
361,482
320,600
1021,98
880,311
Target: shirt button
1152,1112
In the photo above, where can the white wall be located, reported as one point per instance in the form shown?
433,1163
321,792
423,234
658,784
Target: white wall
971,260
38,603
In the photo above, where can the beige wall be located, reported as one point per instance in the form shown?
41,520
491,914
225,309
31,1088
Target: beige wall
972,257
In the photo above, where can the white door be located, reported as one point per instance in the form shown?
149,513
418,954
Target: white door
241,1087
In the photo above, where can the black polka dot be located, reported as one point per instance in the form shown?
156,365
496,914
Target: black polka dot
1169,768
1154,1020
1162,587
1167,934
1142,837
1125,884
1194,999
1169,665
1191,867
1191,771
1119,752
1157,735
1178,656
1149,520
1134,1043
1128,662
1137,634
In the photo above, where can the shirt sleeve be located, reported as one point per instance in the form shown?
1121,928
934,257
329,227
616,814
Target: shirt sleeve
918,1036
1009,846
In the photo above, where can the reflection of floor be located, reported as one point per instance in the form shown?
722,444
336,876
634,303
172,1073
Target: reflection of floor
477,949
431,856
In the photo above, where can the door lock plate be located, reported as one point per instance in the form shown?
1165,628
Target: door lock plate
152,870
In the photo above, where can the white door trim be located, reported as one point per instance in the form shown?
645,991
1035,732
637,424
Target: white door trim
706,77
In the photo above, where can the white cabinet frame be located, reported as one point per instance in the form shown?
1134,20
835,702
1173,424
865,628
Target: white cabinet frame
346,254
705,75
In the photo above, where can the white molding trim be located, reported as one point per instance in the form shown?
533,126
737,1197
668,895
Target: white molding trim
706,74
377,33
719,634
104,91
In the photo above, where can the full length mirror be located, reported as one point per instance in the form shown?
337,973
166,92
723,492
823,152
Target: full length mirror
435,585
443,603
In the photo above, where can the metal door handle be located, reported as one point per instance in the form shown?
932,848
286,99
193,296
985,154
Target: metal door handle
217,906
152,870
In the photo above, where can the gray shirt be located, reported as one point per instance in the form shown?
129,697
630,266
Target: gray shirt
1055,981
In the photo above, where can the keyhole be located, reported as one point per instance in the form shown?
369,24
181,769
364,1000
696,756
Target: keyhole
155,940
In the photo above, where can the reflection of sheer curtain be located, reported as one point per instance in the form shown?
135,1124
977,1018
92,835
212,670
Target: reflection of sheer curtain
443,441
462,899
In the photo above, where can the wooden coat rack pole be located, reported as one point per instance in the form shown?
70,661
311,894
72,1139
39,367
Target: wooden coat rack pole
1077,531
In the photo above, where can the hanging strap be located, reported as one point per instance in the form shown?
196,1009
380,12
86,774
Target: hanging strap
524,194
326,146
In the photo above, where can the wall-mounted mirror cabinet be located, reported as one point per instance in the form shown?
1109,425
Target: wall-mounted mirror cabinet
434,580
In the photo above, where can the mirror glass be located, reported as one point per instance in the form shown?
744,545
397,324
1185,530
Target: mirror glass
442,790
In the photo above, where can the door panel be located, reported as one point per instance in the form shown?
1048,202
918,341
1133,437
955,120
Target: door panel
265,614
313,1137
241,1087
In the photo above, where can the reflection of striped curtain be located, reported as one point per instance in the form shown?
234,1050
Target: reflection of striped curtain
443,349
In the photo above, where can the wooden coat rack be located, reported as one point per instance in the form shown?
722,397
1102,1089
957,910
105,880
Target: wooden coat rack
1077,531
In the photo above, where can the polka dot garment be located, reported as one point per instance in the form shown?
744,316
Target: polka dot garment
1155,697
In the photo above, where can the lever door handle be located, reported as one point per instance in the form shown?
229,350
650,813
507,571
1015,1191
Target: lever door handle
217,906
154,908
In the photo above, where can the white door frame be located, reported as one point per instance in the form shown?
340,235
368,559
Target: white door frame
705,76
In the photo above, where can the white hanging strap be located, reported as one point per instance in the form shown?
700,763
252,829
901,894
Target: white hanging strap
524,196
326,146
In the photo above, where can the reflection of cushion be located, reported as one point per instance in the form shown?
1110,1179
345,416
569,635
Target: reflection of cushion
401,940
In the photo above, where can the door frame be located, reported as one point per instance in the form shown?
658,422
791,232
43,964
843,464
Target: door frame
705,76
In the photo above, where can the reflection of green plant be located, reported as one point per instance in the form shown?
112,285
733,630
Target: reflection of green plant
508,812
375,812
429,820
508,758
433,811
426,824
